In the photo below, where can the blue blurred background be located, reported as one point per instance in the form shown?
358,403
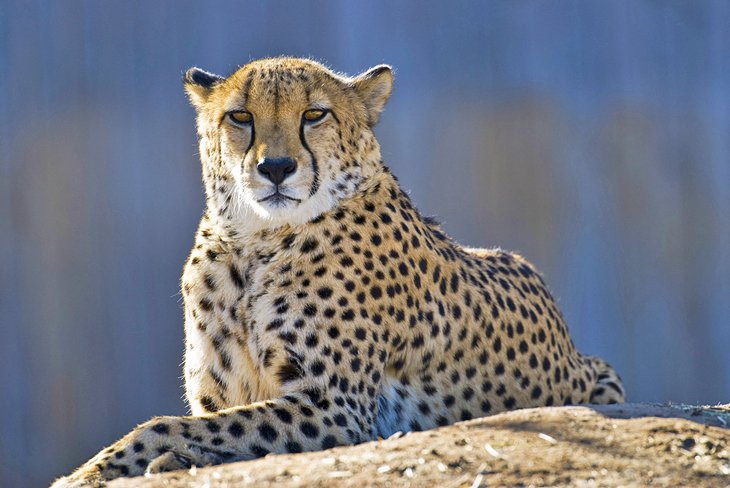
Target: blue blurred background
591,136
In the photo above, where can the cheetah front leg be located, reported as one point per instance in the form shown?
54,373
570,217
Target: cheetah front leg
317,417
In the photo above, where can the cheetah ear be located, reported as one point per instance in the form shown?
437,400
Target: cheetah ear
374,88
199,84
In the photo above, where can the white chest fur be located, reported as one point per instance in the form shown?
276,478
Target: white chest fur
223,356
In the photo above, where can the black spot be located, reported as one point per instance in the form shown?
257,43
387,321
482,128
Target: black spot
311,341
289,337
288,241
235,276
289,371
258,450
209,282
275,324
212,426
161,429
268,432
268,355
309,245
376,292
293,447
317,368
454,282
310,310
329,442
309,430
546,364
324,292
283,415
355,365
235,429
208,404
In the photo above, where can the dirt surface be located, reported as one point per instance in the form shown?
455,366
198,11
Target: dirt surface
616,445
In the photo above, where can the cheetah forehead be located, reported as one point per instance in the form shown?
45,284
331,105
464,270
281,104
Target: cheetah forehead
284,83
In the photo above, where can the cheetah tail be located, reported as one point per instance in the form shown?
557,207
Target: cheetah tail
609,387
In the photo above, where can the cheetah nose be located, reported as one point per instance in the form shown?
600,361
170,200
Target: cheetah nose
277,169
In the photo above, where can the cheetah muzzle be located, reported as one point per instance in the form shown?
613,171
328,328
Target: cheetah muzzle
321,308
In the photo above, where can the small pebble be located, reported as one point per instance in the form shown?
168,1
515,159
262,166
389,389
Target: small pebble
547,438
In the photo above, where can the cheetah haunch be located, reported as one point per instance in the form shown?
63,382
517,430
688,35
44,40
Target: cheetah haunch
321,308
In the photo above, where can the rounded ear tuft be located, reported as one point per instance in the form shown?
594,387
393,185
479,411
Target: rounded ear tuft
198,85
200,77
374,88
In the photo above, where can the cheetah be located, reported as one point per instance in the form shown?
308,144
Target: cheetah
321,308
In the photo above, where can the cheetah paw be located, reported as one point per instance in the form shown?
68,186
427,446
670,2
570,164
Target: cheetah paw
193,456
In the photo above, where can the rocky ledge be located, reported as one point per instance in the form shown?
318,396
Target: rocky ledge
614,445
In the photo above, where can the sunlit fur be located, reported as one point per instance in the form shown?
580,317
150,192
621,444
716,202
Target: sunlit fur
346,315
277,92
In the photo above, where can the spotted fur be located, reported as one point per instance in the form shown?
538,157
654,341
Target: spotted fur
337,314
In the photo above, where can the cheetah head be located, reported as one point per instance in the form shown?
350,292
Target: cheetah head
283,140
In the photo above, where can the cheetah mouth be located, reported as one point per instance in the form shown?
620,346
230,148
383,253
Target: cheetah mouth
277,198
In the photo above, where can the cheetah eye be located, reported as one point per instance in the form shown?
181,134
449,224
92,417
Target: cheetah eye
240,117
314,115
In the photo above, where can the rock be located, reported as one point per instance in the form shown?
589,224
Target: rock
613,445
